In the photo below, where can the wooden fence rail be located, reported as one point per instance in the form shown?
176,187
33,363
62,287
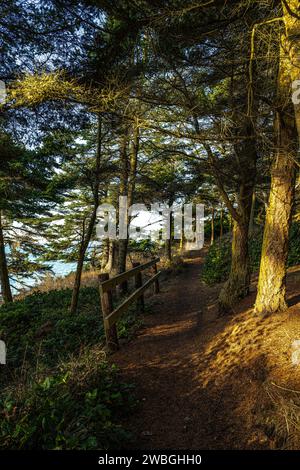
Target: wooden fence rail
106,286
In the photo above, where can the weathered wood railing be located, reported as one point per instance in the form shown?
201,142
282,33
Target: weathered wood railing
107,286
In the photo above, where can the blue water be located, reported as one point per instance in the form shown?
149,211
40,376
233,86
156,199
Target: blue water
59,269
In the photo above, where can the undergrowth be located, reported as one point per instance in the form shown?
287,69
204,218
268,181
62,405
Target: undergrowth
217,263
57,389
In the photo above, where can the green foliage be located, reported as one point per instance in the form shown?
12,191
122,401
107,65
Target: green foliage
143,246
40,326
217,227
58,391
217,263
255,246
294,245
79,406
218,259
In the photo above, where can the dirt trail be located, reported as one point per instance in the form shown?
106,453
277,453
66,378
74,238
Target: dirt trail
160,362
205,382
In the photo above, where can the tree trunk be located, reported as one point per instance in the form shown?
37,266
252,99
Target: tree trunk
212,226
291,46
4,278
123,243
123,247
181,243
82,251
104,254
251,223
271,294
237,285
127,188
87,235
111,265
221,222
168,249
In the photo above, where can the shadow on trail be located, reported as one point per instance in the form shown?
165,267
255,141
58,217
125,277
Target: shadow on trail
186,365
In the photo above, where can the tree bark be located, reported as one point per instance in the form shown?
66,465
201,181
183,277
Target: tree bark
104,254
123,243
87,234
251,222
221,222
111,265
212,226
271,294
237,285
291,47
4,277
127,188
168,249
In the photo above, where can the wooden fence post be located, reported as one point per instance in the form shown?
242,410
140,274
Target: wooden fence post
107,307
156,282
138,283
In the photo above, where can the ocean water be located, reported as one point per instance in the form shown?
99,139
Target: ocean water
59,269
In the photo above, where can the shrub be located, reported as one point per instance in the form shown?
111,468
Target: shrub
41,326
77,406
58,392
217,263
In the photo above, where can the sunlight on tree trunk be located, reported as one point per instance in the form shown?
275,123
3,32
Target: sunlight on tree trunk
271,296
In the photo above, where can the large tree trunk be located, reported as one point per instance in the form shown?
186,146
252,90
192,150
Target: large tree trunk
244,148
4,278
237,285
271,295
